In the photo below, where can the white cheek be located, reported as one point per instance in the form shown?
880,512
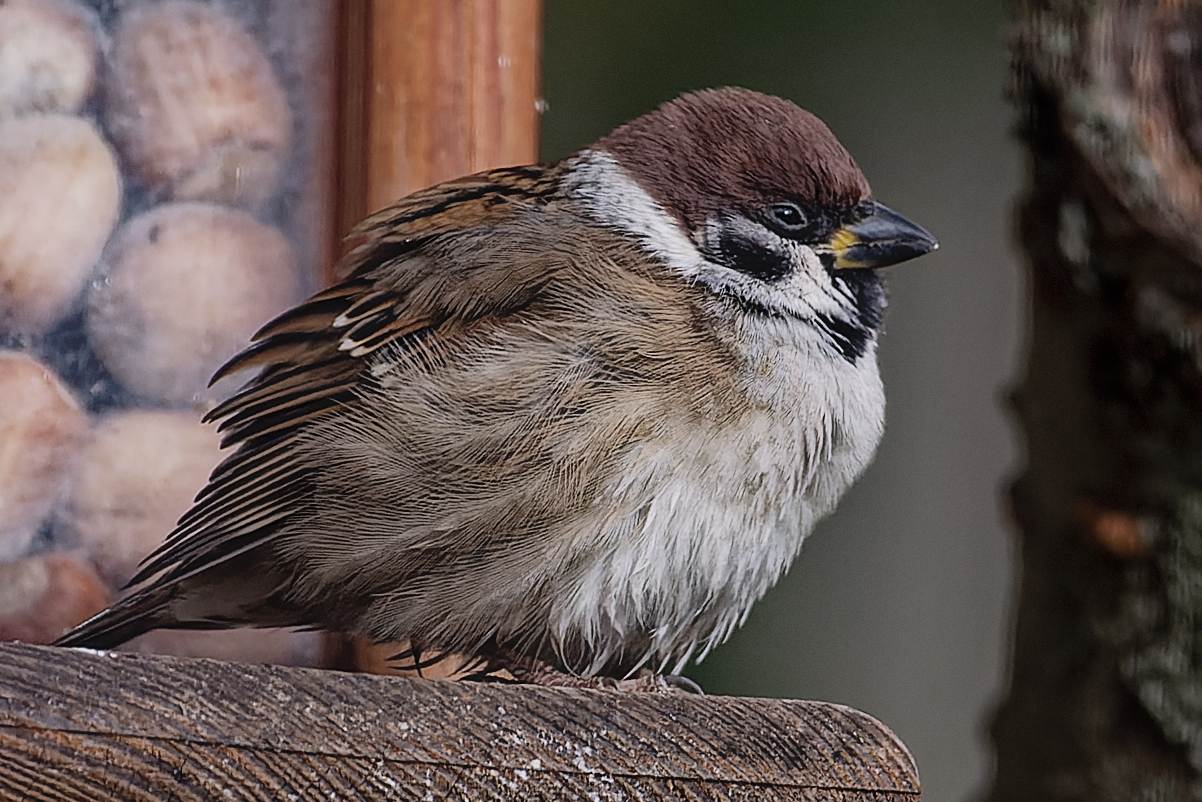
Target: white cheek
614,198
810,283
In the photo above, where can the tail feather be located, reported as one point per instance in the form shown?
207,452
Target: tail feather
217,596
126,619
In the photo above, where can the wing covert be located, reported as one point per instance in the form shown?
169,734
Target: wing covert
314,359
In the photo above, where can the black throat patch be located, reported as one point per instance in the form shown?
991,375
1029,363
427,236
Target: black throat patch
850,336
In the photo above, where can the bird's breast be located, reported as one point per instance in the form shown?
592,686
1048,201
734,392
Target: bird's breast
704,516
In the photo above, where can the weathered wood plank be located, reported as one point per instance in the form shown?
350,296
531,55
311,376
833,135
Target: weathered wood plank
84,725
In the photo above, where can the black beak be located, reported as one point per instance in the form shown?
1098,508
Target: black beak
880,239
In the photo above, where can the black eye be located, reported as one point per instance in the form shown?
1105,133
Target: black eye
787,215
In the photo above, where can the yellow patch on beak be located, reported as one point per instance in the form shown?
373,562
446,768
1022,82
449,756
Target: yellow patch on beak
881,237
840,243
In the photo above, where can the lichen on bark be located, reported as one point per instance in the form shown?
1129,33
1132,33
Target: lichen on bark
1161,663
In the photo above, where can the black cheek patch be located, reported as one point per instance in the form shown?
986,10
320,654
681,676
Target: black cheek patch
752,258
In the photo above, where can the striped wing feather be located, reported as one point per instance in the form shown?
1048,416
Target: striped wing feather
313,358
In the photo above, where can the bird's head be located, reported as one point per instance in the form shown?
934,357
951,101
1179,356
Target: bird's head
753,197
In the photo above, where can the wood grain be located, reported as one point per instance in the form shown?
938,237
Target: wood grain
452,90
432,90
84,725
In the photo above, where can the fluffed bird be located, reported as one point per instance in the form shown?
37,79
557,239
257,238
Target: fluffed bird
579,415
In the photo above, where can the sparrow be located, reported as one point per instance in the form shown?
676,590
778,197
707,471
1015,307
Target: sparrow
579,415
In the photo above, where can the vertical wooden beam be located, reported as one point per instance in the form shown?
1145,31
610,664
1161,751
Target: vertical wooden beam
351,173
452,86
432,90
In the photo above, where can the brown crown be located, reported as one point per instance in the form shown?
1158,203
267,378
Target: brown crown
734,149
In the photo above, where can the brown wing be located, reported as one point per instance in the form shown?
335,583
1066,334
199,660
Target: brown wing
315,359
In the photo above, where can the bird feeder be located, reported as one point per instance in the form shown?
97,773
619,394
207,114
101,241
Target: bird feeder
175,173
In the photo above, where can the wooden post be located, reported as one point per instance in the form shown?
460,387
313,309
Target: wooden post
81,724
432,90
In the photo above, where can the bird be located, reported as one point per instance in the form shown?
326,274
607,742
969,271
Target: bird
571,419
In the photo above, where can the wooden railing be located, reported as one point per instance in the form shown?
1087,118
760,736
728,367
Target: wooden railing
85,725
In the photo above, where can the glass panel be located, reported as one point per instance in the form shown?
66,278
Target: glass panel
165,174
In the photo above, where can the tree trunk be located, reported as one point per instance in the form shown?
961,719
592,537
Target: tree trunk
1106,694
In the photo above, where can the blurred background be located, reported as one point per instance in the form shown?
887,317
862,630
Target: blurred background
900,603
